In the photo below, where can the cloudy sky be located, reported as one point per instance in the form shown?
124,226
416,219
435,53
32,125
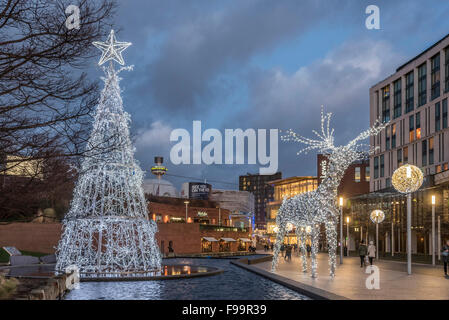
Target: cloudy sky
261,64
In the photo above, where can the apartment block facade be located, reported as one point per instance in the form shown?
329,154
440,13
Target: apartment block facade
414,101
263,193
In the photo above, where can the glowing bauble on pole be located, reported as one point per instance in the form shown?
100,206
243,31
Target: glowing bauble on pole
377,216
407,179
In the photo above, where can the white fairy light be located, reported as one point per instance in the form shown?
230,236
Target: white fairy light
107,229
308,211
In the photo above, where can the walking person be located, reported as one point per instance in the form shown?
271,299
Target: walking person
371,252
288,253
309,249
362,253
445,254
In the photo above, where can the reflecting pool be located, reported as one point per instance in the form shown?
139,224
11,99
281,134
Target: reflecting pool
234,283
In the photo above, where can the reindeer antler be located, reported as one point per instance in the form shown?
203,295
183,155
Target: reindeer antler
326,137
372,131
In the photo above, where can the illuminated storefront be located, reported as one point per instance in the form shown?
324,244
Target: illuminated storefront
288,187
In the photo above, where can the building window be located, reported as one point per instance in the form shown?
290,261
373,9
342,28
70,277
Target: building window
386,104
399,156
444,113
206,246
424,153
411,128
224,246
435,80
376,167
393,136
367,174
241,246
387,182
446,68
405,154
387,138
418,125
397,110
430,151
382,166
409,92
445,166
422,84
438,168
357,174
437,117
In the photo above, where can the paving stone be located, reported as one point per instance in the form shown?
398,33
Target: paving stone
426,282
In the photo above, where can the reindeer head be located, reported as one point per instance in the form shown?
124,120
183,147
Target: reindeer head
339,157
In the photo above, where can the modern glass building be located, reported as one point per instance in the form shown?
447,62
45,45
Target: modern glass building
414,102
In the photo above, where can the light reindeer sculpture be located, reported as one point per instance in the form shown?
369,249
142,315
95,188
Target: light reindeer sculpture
309,211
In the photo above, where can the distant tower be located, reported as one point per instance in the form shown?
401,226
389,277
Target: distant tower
158,169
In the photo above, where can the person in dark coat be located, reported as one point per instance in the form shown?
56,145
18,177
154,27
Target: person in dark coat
309,249
288,252
363,250
445,255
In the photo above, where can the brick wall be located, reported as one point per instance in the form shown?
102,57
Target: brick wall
37,237
44,237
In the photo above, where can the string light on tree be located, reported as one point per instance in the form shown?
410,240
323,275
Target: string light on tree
319,207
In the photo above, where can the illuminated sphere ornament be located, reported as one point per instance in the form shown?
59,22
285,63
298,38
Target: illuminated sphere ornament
308,229
407,178
377,216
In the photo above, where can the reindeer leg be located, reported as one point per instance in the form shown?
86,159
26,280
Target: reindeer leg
298,241
277,246
331,235
315,238
303,250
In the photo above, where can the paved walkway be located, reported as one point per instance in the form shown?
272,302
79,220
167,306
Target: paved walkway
426,282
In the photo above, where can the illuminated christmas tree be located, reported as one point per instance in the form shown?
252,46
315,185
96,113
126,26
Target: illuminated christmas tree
107,230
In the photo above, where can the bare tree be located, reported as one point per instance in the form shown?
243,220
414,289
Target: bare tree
46,99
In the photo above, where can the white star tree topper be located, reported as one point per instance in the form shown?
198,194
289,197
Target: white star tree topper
112,49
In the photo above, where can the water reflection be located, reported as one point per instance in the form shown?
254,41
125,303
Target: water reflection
234,283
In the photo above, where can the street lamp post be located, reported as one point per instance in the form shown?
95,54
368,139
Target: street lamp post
439,238
187,210
341,230
408,179
433,230
392,237
347,234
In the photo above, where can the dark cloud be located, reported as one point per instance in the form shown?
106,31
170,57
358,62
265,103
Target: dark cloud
184,49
